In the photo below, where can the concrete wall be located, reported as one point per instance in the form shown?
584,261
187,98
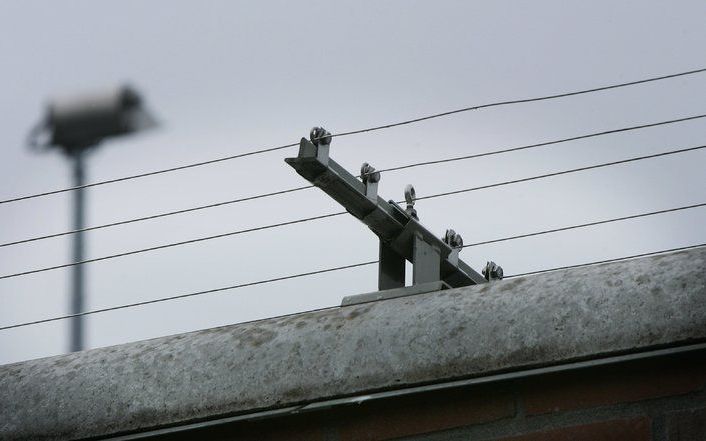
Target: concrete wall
511,326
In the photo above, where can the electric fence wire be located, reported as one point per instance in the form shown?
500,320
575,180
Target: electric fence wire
564,172
192,294
585,225
402,167
154,216
449,193
354,132
598,262
541,144
311,273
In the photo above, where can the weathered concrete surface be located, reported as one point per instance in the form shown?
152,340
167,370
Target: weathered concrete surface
514,324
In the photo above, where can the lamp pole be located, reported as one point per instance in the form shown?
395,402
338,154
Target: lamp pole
77,157
76,125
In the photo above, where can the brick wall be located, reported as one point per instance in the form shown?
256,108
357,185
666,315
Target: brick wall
658,399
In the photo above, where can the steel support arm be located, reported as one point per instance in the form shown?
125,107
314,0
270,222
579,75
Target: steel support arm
401,235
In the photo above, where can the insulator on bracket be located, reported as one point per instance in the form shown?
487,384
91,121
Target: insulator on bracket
317,146
492,271
455,241
320,136
410,196
370,179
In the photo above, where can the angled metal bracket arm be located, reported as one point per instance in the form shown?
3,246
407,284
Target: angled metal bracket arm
401,235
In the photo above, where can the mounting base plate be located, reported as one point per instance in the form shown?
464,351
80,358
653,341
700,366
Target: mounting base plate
421,288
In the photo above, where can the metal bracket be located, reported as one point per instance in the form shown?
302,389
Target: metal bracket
375,296
402,237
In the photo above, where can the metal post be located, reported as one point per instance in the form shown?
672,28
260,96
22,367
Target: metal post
391,270
426,263
76,337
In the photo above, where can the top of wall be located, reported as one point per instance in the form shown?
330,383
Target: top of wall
519,323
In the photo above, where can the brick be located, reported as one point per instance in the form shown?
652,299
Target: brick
686,425
618,430
603,386
294,428
425,413
377,419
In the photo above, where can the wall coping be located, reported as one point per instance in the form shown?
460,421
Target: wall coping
520,323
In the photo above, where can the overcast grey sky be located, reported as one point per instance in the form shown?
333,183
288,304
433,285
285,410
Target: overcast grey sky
225,77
